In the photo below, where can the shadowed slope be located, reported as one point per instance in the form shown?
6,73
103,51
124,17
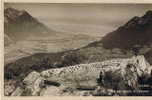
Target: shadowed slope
136,31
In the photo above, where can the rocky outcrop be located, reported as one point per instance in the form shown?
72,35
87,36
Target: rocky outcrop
18,92
117,75
144,67
9,88
31,85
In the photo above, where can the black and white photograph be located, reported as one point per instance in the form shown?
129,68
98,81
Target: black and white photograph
77,49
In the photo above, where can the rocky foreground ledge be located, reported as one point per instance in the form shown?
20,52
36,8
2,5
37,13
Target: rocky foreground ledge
130,76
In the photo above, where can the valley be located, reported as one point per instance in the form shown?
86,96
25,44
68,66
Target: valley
61,58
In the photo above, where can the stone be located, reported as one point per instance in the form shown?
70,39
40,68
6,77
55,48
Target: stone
17,92
8,89
143,67
126,75
31,78
33,83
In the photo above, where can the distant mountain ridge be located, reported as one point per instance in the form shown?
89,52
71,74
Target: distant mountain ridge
137,31
20,24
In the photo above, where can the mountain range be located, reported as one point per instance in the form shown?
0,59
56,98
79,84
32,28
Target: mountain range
19,24
137,32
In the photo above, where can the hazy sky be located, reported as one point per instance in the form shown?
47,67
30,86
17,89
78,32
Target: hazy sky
104,15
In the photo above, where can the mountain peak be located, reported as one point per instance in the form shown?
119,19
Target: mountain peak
13,13
139,22
17,23
135,31
9,9
148,13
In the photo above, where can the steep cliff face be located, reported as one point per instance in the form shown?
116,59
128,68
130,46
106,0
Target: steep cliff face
20,24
